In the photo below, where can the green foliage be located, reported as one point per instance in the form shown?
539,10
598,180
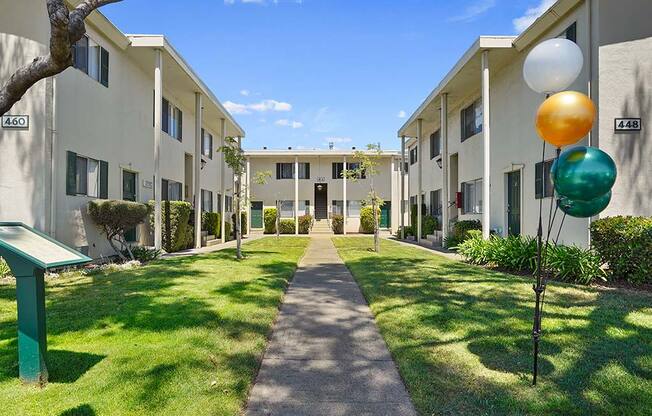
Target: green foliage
518,254
211,222
367,219
305,223
460,232
243,221
625,244
228,231
116,217
429,224
337,223
144,254
269,216
180,233
4,268
286,226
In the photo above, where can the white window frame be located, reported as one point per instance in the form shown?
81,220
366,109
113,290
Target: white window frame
353,208
284,204
88,177
472,192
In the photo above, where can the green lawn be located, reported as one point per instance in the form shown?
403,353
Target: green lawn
181,336
461,336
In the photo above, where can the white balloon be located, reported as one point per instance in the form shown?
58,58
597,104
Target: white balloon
553,65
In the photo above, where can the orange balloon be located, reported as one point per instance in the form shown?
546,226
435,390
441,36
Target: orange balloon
564,118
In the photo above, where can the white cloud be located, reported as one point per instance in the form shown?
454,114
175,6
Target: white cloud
245,93
531,14
401,114
338,139
289,123
473,10
260,107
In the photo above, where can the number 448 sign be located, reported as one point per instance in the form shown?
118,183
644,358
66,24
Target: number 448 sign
627,124
15,122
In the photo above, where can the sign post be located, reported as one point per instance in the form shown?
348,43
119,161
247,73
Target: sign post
29,254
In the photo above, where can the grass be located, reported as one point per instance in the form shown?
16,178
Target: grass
179,336
461,336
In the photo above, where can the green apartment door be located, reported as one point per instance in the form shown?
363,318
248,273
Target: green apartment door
257,214
129,182
514,203
386,215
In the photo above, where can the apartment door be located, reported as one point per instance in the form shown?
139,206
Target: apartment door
321,201
386,215
257,214
129,194
514,203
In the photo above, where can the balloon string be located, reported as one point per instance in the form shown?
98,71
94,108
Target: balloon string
560,225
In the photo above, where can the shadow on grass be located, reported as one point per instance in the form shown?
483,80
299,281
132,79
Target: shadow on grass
68,366
81,410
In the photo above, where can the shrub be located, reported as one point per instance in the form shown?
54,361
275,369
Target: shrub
625,244
270,220
243,222
115,218
179,236
367,219
574,264
429,224
305,223
337,223
287,226
460,231
144,254
4,268
211,222
228,231
515,253
474,249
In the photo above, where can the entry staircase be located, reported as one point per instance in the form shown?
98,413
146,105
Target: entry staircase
321,227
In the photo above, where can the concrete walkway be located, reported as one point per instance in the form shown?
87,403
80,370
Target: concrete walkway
326,356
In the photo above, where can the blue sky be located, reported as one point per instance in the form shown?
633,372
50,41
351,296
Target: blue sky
302,73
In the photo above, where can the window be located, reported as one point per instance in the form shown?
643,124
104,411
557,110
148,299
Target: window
304,170
304,207
171,190
129,182
472,192
171,120
91,59
353,208
435,144
543,187
228,202
206,144
86,176
471,118
435,203
219,203
570,33
285,171
287,209
338,168
413,155
206,201
355,166
337,207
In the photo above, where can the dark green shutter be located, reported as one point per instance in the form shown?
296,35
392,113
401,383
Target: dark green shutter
165,116
334,170
307,170
538,180
278,171
180,115
104,67
71,174
104,179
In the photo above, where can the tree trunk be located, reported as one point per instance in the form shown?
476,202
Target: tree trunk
376,230
278,219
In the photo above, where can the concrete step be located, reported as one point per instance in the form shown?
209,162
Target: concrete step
213,242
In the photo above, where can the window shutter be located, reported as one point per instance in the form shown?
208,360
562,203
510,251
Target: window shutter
165,116
307,171
104,179
71,174
278,171
104,67
538,180
180,115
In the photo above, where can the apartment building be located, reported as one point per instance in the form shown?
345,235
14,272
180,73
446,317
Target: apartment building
471,146
312,182
131,120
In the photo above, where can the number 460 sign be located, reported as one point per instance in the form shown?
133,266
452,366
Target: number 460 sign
15,122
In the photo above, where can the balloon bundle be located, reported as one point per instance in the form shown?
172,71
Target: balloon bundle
582,176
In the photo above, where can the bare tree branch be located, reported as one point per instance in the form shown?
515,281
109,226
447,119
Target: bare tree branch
66,28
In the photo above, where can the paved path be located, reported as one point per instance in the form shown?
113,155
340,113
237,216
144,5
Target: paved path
326,356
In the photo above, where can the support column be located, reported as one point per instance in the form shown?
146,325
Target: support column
198,139
222,175
237,193
443,131
248,173
486,177
402,187
32,335
344,213
419,184
158,102
296,195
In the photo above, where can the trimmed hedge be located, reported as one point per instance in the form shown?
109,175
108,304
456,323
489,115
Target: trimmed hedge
460,232
243,222
625,244
287,226
428,225
228,231
115,218
367,219
270,220
305,224
337,223
211,222
180,230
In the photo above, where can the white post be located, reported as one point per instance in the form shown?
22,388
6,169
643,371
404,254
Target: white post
237,188
402,207
344,213
248,196
443,134
197,196
419,184
222,175
296,195
486,177
158,102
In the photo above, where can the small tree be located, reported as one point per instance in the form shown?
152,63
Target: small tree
236,160
115,218
261,178
368,162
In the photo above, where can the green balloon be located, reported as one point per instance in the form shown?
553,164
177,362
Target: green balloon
584,209
583,173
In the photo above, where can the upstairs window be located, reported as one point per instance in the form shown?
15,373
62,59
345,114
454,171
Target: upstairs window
414,157
285,171
435,144
355,166
91,59
206,144
543,187
304,170
338,168
471,119
172,120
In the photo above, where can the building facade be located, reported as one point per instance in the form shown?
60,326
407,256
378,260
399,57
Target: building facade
472,149
131,120
319,189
